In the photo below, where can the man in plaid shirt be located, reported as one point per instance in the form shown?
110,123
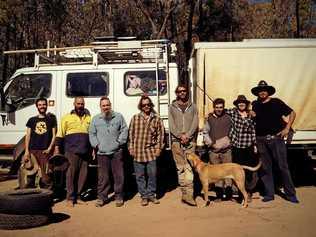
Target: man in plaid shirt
243,137
146,137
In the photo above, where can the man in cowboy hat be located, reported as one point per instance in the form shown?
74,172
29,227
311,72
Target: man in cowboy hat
270,131
243,138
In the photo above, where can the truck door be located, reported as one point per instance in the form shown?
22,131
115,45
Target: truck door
20,95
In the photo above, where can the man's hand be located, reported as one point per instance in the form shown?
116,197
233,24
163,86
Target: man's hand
284,132
252,113
26,156
157,153
184,139
47,151
255,149
131,152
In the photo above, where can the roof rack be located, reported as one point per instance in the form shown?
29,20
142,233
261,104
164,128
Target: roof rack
103,52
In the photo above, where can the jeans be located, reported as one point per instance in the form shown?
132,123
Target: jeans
107,163
274,151
141,168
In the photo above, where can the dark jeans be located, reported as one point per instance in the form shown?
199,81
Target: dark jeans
107,163
245,156
273,151
76,174
140,168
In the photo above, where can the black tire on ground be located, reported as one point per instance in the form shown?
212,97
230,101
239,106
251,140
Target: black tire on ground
26,202
11,221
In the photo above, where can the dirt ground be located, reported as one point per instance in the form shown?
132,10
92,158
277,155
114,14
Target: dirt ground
172,218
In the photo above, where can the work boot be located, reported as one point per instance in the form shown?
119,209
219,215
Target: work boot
154,200
189,200
144,202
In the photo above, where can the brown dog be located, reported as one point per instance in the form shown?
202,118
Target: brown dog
212,173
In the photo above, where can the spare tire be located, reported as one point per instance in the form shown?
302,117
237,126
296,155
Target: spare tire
11,221
26,202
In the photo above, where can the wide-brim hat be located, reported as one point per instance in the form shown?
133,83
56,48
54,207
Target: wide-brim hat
58,162
241,99
30,166
263,86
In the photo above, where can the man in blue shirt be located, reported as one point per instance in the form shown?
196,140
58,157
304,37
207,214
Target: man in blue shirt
108,133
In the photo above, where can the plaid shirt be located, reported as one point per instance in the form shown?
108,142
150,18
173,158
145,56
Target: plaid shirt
146,137
242,133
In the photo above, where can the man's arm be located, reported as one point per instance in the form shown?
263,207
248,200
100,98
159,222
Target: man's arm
131,137
287,128
206,134
59,140
52,143
194,124
93,134
27,144
122,139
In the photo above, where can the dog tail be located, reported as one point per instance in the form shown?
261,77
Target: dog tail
252,168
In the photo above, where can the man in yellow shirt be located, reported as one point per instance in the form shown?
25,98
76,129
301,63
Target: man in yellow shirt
73,138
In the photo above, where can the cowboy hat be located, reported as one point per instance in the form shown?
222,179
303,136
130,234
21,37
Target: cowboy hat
263,86
30,166
241,99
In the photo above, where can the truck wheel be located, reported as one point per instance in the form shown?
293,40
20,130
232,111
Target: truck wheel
26,202
11,221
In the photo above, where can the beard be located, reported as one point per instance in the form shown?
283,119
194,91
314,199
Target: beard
107,115
79,111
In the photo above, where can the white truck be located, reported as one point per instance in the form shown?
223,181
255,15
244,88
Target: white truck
122,70
218,69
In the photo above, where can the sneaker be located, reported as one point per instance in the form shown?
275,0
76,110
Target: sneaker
267,199
119,203
292,199
189,200
154,200
99,203
70,203
144,202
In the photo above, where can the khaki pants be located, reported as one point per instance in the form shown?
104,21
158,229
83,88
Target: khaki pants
185,172
220,158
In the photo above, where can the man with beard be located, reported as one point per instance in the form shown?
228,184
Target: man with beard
183,124
73,138
243,138
271,131
216,136
40,139
108,134
146,140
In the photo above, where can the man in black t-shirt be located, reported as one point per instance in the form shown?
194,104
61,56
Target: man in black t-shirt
40,138
270,131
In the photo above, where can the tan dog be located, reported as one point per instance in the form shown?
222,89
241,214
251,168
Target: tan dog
212,173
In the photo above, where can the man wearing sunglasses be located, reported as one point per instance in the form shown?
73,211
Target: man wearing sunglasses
183,125
146,140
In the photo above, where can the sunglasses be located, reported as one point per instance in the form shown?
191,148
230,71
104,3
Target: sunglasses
147,104
181,91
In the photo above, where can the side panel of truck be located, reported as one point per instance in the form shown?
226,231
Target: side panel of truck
229,69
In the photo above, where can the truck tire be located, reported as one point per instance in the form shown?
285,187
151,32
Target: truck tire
26,202
11,221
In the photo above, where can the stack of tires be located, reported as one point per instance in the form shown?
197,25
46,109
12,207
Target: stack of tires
25,208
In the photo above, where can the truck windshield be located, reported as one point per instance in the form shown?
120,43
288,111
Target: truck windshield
26,88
